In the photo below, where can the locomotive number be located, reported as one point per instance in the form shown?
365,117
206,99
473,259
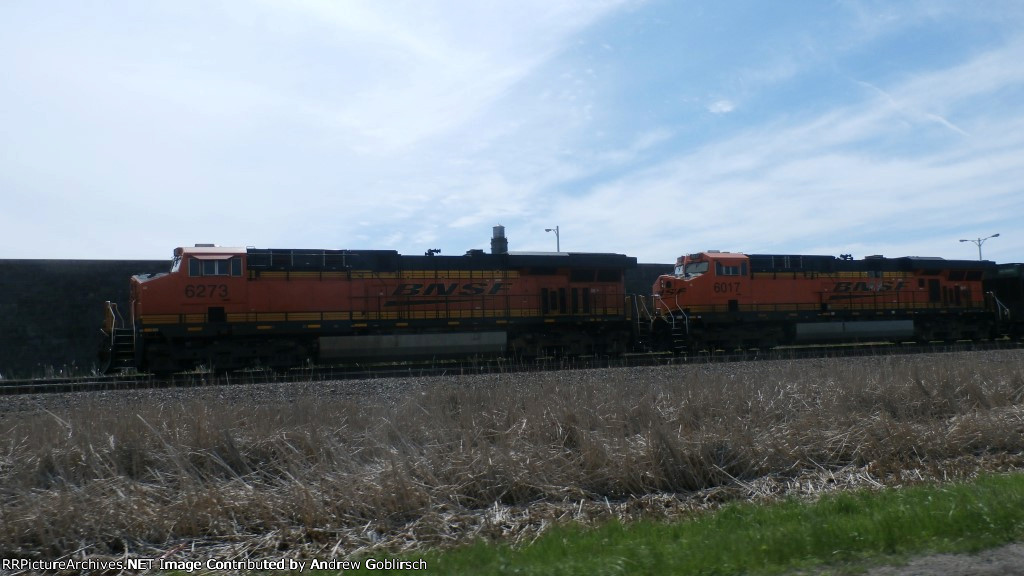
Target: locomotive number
726,287
206,291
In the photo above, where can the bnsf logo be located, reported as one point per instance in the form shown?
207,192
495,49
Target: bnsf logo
449,289
867,286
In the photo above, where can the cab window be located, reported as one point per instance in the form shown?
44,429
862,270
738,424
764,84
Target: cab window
226,267
695,268
730,268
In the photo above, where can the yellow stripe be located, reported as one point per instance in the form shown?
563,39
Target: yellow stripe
412,274
451,315
159,319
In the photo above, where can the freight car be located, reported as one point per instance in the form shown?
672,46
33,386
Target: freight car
721,300
228,308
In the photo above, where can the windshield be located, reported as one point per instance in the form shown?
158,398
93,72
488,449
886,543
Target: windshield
175,264
695,268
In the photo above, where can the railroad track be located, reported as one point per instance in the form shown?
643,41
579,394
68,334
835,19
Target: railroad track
131,381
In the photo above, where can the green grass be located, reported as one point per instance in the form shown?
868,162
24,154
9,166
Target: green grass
845,530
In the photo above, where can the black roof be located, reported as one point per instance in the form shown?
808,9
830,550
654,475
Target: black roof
392,261
812,263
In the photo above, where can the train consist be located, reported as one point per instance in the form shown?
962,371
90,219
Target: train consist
229,308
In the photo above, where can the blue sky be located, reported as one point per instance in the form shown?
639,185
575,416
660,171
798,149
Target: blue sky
647,128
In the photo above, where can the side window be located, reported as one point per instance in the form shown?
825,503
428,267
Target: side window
727,269
227,267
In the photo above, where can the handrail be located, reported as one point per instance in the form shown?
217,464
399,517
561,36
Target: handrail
112,322
672,319
672,313
112,318
686,317
1002,310
643,303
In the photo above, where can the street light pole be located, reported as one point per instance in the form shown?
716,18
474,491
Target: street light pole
558,241
979,242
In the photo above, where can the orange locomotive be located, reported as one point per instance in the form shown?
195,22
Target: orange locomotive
226,308
729,300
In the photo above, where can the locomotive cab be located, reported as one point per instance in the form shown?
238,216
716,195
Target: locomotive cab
203,280
714,279
205,284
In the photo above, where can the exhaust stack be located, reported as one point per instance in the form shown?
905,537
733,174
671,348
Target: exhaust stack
499,244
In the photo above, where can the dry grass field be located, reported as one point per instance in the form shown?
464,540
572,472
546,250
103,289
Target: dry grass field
337,468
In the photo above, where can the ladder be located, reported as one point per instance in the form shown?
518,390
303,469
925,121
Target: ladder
680,330
122,350
118,354
680,338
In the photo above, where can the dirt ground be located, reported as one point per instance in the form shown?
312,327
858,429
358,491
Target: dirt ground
1005,561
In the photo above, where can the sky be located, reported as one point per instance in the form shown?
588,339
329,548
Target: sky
648,128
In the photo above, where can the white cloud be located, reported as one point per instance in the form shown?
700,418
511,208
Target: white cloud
721,107
428,67
420,125
256,122
854,176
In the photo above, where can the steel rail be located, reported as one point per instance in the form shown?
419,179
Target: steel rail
134,381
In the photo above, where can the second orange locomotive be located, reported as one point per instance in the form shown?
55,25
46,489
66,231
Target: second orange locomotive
729,300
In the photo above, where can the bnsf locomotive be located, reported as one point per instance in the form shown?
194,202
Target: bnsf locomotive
226,308
726,300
